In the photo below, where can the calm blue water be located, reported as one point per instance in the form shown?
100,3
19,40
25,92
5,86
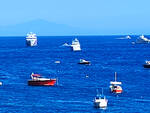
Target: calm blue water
75,92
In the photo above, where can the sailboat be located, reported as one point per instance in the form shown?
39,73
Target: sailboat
115,86
100,101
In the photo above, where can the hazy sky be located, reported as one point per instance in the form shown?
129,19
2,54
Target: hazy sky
112,15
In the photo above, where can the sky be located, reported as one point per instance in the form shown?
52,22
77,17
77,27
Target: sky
102,16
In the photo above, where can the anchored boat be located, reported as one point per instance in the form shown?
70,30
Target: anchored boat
37,80
31,39
142,40
76,45
115,86
82,61
147,64
100,101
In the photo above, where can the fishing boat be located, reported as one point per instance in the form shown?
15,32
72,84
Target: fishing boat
100,101
115,86
147,64
31,39
76,45
37,80
142,40
82,61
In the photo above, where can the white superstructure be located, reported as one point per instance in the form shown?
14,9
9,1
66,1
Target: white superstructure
31,39
100,101
142,39
76,45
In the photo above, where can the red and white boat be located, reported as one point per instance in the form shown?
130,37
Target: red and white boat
37,80
116,86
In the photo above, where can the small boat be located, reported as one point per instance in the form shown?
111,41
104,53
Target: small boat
128,37
31,39
115,86
82,61
76,45
100,101
142,40
57,62
37,80
0,83
147,64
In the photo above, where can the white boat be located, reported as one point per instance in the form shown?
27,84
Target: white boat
76,45
100,101
115,86
82,61
142,39
31,39
128,37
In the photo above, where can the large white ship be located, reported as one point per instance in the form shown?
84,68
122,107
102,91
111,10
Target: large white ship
31,39
76,45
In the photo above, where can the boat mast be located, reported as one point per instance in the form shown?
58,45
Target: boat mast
115,76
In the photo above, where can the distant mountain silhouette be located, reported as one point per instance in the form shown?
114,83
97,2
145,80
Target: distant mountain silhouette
40,27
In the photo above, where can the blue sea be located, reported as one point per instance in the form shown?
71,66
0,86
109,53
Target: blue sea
74,92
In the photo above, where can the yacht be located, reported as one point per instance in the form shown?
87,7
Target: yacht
147,64
31,39
142,39
115,86
76,45
100,101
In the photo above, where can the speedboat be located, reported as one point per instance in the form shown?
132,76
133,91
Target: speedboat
142,40
100,101
115,86
31,39
37,80
75,45
147,64
82,61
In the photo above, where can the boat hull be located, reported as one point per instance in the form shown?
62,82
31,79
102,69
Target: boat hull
146,66
117,91
32,42
42,82
84,62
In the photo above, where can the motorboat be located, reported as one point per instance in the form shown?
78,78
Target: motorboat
128,37
76,45
142,40
115,86
100,101
147,64
82,61
37,80
31,39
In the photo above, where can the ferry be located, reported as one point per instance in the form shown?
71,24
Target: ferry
100,101
76,45
142,40
82,61
147,64
37,80
31,39
115,86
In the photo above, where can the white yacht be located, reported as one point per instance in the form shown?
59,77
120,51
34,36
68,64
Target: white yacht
142,39
76,45
31,39
100,101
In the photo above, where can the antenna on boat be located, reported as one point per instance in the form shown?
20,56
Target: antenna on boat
57,81
115,76
102,91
